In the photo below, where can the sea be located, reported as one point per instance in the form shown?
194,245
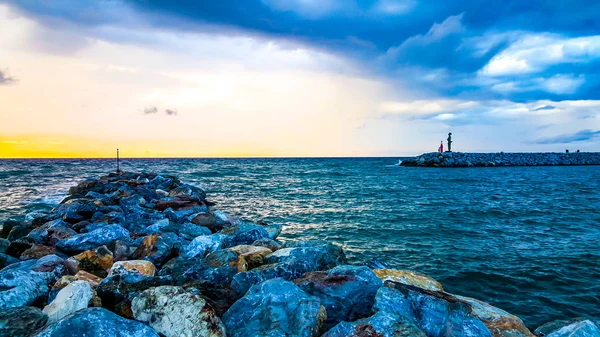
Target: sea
525,239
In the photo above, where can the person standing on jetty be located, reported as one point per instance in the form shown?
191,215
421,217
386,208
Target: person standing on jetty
449,141
441,148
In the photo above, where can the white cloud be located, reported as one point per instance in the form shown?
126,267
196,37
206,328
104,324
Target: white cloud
393,7
534,52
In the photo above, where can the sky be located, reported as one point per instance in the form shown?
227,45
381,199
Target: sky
285,78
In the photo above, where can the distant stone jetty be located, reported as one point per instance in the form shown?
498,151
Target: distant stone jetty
465,159
145,255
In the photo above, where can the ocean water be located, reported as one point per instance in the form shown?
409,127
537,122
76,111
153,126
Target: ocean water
526,239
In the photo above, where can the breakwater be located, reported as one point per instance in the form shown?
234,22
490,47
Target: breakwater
465,159
146,254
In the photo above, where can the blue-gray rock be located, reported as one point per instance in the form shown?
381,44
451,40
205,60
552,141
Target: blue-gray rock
21,321
275,308
96,238
578,327
392,318
40,234
438,313
26,283
6,260
163,248
243,234
319,257
241,282
97,322
347,292
184,270
203,245
4,243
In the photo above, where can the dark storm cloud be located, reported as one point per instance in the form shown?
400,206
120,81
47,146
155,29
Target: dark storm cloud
580,136
545,107
437,46
171,112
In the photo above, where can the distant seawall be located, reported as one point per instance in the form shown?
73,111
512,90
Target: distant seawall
465,159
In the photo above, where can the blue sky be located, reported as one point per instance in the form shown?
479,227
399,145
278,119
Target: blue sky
525,74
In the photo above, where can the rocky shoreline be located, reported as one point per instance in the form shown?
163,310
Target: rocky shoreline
464,159
142,254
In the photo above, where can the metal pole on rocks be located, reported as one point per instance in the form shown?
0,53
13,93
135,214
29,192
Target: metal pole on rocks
118,168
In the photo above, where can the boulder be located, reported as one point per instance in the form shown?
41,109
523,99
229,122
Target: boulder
145,248
243,234
217,273
319,257
94,239
253,255
167,246
289,271
28,282
208,220
347,292
391,319
118,291
6,260
70,299
275,308
268,243
21,321
409,277
578,327
174,312
202,245
141,267
37,251
96,261
439,313
97,322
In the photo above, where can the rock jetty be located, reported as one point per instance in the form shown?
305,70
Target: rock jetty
138,255
464,159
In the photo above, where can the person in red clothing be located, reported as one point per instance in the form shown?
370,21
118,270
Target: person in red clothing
441,148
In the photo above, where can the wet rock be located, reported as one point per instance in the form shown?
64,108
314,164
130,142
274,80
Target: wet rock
19,231
578,327
208,220
70,299
92,279
272,229
28,282
141,267
6,260
408,277
21,321
203,245
97,322
288,271
40,234
118,291
93,239
174,312
121,251
436,313
347,292
243,234
37,251
4,243
319,257
389,319
18,246
215,273
189,231
96,261
7,226
275,308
